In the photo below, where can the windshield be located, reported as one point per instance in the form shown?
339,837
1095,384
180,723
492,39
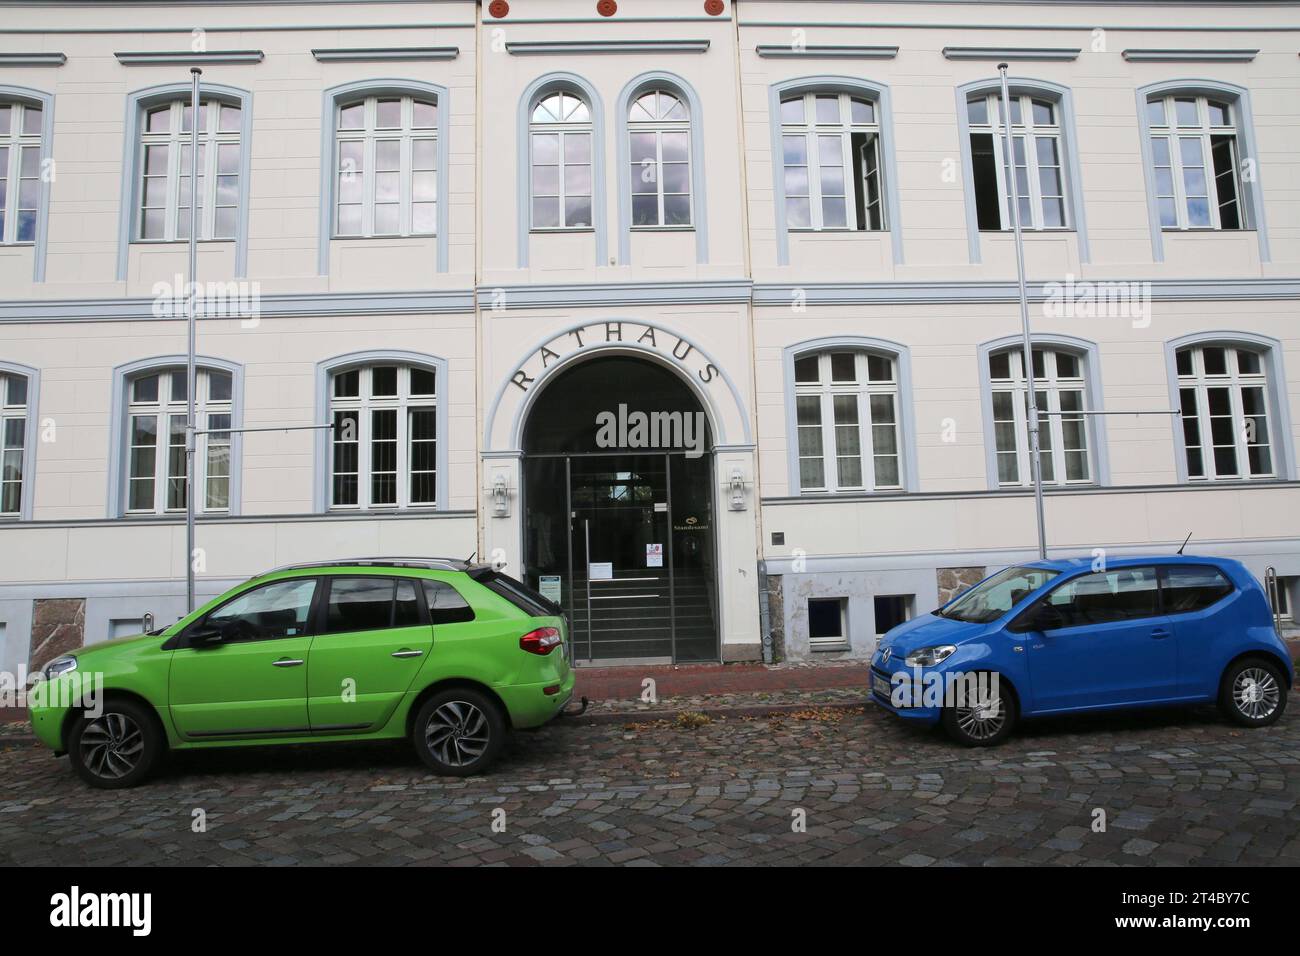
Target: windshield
992,598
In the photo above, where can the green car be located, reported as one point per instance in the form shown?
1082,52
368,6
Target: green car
448,654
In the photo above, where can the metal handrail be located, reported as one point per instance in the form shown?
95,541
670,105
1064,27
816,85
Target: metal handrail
1274,597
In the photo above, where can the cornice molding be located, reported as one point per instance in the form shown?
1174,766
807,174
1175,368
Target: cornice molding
187,57
377,54
33,59
1189,56
1014,54
276,306
628,294
826,50
565,47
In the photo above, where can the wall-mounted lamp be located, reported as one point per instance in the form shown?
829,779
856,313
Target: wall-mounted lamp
736,483
500,496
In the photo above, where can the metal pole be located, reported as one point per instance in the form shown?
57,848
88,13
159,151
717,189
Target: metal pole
1035,453
190,318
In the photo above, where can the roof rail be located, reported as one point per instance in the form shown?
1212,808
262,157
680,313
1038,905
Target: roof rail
431,564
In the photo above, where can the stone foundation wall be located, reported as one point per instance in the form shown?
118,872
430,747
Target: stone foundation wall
952,581
58,626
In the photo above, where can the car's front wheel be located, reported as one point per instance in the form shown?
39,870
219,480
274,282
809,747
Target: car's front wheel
458,732
116,746
983,713
1253,693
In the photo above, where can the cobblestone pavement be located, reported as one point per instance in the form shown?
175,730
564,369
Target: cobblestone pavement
1177,787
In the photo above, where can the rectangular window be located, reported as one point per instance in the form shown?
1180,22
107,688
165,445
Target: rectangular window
1224,397
1037,167
891,611
846,402
832,162
156,441
13,442
827,622
384,446
387,172
164,175
1062,427
20,171
1196,163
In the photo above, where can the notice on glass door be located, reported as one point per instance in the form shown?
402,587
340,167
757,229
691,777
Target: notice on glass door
654,555
600,571
549,585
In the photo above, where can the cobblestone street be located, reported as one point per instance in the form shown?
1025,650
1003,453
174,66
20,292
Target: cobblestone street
1176,787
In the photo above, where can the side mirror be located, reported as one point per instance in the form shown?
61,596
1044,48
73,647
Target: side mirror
208,635
1045,617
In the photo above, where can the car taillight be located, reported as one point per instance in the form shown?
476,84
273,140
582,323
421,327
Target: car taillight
541,641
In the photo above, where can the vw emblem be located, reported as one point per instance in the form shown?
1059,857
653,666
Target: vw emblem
886,654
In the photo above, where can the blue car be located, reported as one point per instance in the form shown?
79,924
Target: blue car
1062,636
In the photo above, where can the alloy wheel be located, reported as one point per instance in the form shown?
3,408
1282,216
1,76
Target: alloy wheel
457,733
983,719
112,745
1255,693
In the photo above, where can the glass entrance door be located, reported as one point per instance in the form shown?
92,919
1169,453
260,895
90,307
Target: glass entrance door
620,544
633,564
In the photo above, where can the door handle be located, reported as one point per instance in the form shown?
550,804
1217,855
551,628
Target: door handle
287,662
406,652
1160,633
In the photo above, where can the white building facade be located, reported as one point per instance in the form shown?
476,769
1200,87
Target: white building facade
764,243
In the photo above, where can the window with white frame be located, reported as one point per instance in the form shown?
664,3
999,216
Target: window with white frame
164,174
1061,389
1039,162
13,441
831,151
1196,157
20,170
846,415
659,135
828,624
384,446
1223,392
155,435
559,149
386,150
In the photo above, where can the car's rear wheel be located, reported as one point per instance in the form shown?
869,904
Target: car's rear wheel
983,716
458,732
1253,693
118,746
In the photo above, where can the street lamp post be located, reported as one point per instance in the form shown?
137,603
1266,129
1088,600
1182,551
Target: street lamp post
190,319
1035,451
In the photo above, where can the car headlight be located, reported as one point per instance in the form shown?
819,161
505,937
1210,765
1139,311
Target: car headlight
60,665
929,656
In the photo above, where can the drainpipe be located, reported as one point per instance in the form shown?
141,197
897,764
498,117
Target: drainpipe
764,613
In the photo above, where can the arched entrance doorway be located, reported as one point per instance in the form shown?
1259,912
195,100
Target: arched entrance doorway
619,512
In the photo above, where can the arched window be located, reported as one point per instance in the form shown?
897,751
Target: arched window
164,171
1195,161
386,162
17,402
832,159
1061,384
1039,161
659,139
384,447
846,416
1224,395
21,130
560,161
155,437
